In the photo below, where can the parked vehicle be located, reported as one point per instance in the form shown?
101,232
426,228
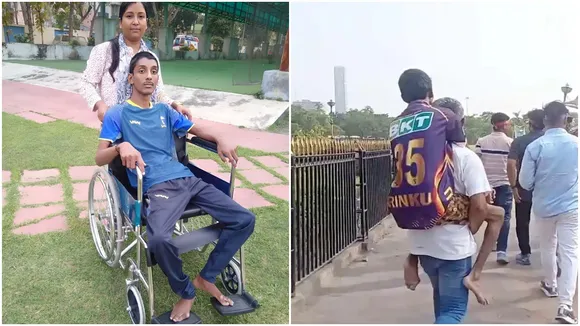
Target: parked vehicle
189,41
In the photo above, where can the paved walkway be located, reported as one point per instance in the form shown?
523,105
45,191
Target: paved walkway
374,292
43,104
42,198
229,108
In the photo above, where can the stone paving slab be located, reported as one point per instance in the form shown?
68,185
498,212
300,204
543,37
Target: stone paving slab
226,177
57,223
285,172
81,192
24,215
33,116
271,161
249,198
29,176
34,195
6,176
82,173
245,164
280,191
260,177
208,165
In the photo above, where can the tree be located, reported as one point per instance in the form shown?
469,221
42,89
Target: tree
27,14
183,20
220,27
39,10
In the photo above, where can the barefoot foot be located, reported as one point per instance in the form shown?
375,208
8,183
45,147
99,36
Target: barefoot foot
201,284
472,284
181,310
411,272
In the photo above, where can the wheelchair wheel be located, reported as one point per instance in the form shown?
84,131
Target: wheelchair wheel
105,217
231,277
135,306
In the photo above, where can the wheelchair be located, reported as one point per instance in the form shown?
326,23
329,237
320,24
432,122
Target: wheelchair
123,216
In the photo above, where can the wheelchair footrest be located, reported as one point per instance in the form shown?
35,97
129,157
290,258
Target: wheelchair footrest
197,238
243,304
164,319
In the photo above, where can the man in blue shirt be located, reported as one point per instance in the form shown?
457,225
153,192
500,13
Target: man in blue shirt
550,170
141,133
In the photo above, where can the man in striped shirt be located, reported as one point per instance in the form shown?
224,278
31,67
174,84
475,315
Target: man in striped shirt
493,150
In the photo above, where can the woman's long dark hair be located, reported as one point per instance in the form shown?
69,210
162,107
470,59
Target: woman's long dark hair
115,40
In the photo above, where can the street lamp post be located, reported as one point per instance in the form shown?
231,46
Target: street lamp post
566,90
331,104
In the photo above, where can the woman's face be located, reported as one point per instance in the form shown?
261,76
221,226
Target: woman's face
134,22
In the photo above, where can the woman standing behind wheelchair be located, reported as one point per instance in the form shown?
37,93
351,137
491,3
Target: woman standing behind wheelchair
104,82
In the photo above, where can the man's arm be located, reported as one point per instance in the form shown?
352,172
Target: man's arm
478,147
528,169
110,133
512,168
226,149
106,153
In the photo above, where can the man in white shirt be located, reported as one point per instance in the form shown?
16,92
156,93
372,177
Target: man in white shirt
493,150
445,250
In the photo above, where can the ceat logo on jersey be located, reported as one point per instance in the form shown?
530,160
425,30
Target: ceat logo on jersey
410,124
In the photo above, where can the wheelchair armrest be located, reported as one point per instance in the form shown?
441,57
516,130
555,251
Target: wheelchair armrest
205,144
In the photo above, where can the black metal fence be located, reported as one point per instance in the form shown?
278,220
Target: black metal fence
339,192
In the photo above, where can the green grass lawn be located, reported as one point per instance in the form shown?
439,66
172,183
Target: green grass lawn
58,277
220,75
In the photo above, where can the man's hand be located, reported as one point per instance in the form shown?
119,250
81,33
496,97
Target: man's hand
490,196
183,110
131,157
227,152
516,193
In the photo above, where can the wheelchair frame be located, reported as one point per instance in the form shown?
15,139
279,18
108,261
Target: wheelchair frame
126,211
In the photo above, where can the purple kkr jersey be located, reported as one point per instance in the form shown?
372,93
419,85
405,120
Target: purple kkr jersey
423,185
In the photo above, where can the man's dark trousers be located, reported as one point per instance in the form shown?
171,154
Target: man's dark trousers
167,203
523,212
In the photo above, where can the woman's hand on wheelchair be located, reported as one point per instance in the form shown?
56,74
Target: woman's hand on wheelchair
185,111
131,157
227,152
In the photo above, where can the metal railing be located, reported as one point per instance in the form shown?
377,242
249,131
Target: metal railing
328,177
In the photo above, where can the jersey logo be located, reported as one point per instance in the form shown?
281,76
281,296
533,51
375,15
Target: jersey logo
163,125
410,124
161,196
135,122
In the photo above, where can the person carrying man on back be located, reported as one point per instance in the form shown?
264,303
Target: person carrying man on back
522,197
424,140
141,133
550,170
493,150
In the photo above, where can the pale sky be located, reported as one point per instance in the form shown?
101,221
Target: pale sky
503,55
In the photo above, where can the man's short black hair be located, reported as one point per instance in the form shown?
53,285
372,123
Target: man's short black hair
536,118
415,84
451,104
555,111
499,117
139,56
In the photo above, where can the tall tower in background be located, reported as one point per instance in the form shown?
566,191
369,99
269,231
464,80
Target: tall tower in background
339,89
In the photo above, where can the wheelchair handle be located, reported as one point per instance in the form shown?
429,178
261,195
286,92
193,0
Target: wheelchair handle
139,184
206,144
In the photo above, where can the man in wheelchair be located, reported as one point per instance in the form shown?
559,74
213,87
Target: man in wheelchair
141,133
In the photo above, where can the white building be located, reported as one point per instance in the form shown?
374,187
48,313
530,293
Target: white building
339,89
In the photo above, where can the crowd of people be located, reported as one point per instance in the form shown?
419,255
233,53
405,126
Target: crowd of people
538,171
